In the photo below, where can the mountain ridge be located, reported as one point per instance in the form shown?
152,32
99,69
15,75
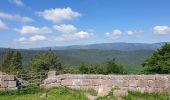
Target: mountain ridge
121,46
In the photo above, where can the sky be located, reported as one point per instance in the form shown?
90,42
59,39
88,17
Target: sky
42,23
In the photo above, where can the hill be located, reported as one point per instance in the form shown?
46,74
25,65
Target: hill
131,60
109,46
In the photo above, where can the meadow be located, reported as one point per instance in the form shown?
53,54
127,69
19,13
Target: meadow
64,93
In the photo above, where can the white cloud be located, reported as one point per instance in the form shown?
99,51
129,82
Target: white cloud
58,15
2,25
17,2
70,33
33,39
34,30
162,29
134,32
37,38
15,17
22,39
65,28
74,36
115,34
130,32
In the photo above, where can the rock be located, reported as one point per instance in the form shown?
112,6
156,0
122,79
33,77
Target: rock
104,90
12,84
90,97
51,74
120,93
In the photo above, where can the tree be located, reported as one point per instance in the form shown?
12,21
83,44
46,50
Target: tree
114,68
17,61
159,62
83,68
111,67
46,61
12,62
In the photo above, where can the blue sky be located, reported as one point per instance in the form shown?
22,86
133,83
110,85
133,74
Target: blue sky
39,23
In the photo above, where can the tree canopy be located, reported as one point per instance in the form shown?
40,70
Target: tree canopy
46,61
111,67
159,62
12,62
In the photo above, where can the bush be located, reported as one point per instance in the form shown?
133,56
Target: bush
27,90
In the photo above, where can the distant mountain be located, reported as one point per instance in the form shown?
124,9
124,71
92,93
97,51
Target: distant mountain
109,46
130,55
131,60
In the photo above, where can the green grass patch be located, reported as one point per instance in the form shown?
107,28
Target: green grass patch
61,93
64,93
146,96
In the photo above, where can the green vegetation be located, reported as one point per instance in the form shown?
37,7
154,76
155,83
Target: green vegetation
159,62
111,67
138,96
12,62
96,61
46,61
61,93
64,93
49,60
146,96
130,60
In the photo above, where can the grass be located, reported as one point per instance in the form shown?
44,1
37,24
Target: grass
53,94
146,96
64,93
138,96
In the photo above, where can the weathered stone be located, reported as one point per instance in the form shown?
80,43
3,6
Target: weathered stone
10,77
48,86
104,90
120,83
120,93
4,84
52,80
132,89
12,84
141,89
133,83
150,90
142,83
151,83
51,74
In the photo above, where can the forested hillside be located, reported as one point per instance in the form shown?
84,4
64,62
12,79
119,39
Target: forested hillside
131,60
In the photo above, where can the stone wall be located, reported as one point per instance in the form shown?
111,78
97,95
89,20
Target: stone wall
7,82
142,83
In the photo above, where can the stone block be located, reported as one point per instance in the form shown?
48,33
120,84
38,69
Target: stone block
48,86
120,93
150,90
141,89
151,83
104,90
52,80
51,74
133,83
10,77
159,83
3,84
12,84
133,89
107,82
120,83
142,83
